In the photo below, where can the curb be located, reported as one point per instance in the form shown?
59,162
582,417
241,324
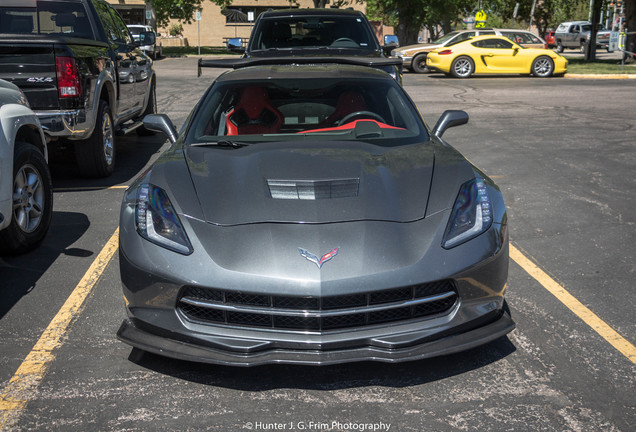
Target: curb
600,76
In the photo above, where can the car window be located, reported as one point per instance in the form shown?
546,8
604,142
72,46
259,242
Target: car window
313,31
493,43
310,109
463,36
486,32
47,18
521,37
446,38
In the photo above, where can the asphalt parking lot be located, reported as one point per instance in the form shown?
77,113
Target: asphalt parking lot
563,152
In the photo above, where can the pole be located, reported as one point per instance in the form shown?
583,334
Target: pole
199,35
534,5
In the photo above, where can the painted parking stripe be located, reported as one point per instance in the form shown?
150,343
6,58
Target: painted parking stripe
579,309
24,384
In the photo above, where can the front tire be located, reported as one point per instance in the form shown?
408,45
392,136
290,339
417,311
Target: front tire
32,201
419,64
96,155
462,67
559,48
542,67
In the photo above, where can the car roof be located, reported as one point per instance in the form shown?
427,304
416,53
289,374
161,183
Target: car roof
575,22
307,71
310,12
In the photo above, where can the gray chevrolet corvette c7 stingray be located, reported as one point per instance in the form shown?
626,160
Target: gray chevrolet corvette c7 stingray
306,214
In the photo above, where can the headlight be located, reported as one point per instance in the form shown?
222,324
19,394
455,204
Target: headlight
157,221
471,215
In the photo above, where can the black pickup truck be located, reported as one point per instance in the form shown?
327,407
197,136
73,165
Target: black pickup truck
82,72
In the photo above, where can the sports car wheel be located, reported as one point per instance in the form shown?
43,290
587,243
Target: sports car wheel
542,67
96,155
419,64
462,67
32,201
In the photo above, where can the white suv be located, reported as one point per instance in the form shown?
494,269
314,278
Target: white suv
153,50
26,192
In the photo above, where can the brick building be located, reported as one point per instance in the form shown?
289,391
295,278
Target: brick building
214,27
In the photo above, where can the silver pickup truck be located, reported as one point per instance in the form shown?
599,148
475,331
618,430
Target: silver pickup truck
572,34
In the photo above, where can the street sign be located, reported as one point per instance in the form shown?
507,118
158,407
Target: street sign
480,19
613,42
198,16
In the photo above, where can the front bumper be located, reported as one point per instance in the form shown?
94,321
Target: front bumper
393,349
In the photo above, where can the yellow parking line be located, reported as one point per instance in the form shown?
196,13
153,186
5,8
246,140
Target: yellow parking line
579,309
24,384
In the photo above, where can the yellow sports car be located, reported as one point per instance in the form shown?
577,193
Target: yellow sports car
494,55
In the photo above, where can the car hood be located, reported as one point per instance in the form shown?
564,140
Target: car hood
318,182
418,47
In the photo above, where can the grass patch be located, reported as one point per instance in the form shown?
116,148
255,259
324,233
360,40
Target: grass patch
600,67
183,51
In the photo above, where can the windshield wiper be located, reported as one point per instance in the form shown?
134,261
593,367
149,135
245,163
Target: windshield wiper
220,143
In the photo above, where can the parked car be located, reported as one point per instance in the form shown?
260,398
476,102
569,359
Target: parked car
82,72
414,56
549,38
572,35
317,33
137,31
306,214
495,55
26,193
603,39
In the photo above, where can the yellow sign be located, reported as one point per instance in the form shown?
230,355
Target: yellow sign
480,19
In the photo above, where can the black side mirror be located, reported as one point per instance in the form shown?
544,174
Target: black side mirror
161,123
449,119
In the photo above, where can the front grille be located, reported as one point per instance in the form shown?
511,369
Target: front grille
215,306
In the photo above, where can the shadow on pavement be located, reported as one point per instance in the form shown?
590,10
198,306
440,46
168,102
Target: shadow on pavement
20,274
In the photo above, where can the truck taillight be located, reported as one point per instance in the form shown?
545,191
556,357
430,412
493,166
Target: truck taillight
68,79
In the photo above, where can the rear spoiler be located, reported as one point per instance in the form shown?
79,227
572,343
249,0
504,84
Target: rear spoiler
237,63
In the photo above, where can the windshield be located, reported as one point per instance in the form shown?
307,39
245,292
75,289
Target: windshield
294,109
313,32
446,37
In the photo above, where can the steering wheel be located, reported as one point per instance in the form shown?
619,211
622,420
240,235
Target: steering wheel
344,39
365,114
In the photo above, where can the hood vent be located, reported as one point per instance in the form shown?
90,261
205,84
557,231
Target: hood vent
313,190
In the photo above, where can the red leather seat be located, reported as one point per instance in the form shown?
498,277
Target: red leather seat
254,114
348,102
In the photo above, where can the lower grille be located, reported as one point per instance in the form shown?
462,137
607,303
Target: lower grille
214,306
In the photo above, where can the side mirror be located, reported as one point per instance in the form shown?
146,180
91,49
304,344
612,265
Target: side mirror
515,51
146,38
390,42
161,123
235,45
449,119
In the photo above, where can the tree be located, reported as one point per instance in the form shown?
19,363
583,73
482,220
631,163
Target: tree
410,16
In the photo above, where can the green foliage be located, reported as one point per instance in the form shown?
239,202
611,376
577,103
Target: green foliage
176,30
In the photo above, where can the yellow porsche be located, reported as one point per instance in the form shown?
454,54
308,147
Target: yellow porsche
494,55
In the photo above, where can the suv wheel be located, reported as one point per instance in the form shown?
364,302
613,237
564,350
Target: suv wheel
559,48
96,155
542,67
32,201
582,47
462,67
419,63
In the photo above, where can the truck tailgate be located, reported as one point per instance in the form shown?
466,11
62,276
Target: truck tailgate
31,66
